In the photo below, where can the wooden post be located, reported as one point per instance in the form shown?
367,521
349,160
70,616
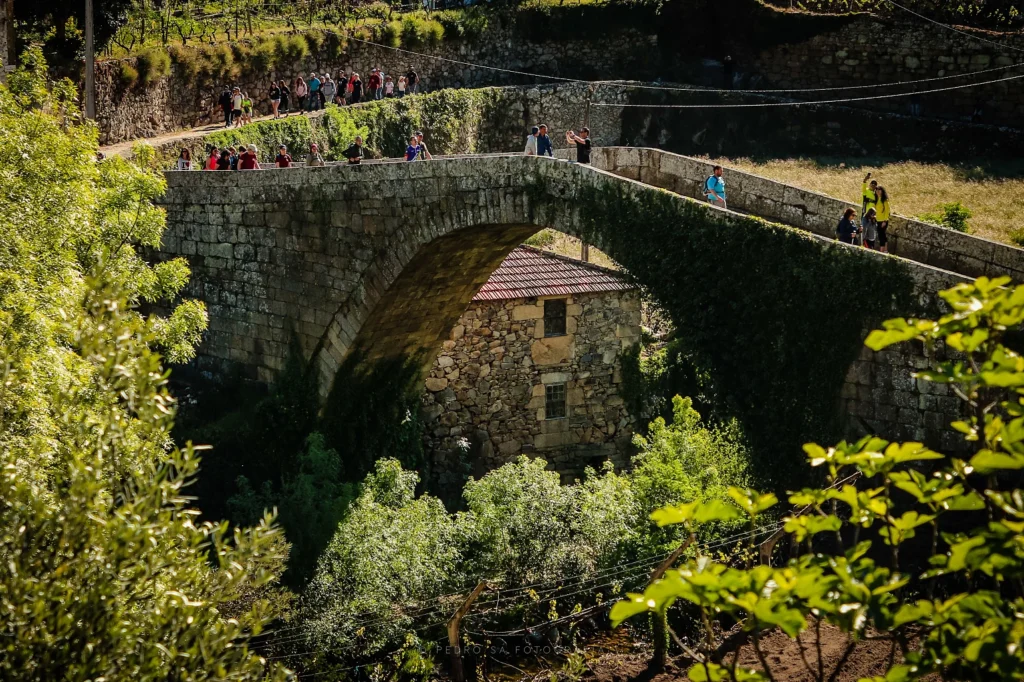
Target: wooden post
453,632
660,656
585,252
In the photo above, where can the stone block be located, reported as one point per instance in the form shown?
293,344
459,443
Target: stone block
435,384
552,350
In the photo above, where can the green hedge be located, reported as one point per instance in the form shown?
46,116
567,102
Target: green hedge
451,120
770,316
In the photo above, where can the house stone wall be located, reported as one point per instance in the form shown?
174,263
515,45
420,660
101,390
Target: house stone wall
484,398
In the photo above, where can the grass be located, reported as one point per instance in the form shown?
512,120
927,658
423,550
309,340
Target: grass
994,194
566,245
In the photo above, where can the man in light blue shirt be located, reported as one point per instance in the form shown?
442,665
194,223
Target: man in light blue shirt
313,102
714,187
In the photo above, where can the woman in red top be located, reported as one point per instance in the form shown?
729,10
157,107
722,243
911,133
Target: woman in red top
247,160
211,163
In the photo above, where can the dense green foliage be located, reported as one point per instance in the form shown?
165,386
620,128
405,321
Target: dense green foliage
394,553
451,118
278,451
774,330
107,574
905,544
64,216
953,216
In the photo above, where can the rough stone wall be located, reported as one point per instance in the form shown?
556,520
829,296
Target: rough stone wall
347,259
177,102
485,396
873,49
817,213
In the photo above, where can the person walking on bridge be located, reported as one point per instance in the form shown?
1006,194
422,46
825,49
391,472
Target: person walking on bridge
283,159
211,163
544,146
531,142
714,188
314,158
847,229
184,160
355,152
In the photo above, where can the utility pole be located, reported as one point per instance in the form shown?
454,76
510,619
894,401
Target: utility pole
6,36
90,64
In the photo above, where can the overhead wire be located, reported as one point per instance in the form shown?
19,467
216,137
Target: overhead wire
954,29
804,103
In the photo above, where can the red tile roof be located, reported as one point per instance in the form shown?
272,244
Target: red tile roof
531,272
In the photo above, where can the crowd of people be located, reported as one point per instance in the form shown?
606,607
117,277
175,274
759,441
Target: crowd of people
303,95
875,212
245,157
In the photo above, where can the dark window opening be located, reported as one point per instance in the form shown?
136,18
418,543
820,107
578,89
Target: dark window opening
554,317
554,401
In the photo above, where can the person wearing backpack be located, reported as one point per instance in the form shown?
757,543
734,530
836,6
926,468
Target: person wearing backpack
714,188
225,105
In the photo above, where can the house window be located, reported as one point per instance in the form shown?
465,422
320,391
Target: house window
554,317
554,401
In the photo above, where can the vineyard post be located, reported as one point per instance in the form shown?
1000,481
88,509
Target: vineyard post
661,617
453,632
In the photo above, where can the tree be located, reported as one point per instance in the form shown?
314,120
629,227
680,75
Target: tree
106,574
108,16
896,520
64,215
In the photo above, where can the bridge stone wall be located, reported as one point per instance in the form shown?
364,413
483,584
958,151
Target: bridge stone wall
382,260
817,213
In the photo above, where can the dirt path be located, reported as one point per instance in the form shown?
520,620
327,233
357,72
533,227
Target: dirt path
189,135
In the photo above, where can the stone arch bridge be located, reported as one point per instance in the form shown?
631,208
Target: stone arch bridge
384,257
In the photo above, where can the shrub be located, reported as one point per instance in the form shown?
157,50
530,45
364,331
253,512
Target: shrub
390,550
188,60
314,41
953,216
390,33
153,64
263,57
897,544
292,49
418,31
685,461
1017,236
220,62
333,46
127,75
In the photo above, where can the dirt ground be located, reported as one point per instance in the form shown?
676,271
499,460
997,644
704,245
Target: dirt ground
783,655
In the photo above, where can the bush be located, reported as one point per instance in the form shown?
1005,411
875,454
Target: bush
263,57
1017,236
897,543
291,49
390,34
127,75
188,60
524,526
391,549
684,461
953,216
153,65
418,31
314,40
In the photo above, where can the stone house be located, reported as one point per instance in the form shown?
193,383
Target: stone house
533,366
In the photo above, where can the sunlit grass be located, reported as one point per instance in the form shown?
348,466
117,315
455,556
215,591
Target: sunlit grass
995,195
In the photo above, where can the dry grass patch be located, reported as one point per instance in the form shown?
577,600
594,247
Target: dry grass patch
995,197
567,245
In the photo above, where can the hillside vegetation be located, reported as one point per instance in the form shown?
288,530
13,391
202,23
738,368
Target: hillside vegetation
994,196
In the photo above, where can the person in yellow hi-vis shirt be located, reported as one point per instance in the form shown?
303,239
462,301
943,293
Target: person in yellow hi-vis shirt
882,214
868,196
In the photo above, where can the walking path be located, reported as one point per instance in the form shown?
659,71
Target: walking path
190,134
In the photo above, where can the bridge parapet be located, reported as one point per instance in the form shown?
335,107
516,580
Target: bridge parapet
817,213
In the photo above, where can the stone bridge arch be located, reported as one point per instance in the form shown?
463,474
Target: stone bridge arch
382,258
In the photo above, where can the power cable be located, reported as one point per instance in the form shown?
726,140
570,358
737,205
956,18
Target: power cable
956,30
798,103
694,90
